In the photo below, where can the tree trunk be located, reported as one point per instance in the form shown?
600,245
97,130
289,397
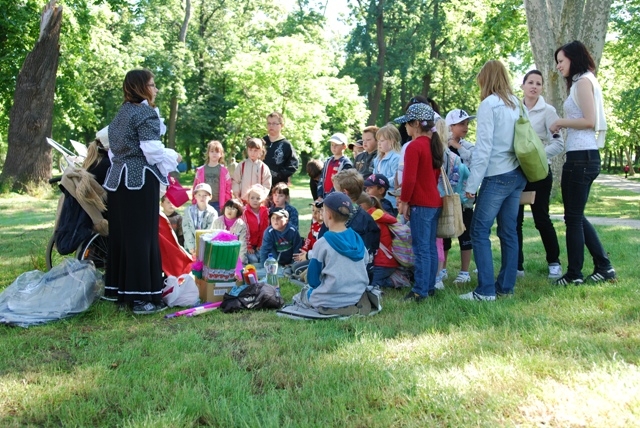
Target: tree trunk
552,23
387,105
382,52
28,159
173,111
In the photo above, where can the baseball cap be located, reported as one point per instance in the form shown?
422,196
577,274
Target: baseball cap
338,202
339,138
281,212
416,112
456,116
203,186
356,144
377,180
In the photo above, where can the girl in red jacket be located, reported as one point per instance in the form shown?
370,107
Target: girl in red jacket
256,216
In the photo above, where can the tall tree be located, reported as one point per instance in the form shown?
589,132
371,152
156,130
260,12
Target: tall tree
553,23
30,119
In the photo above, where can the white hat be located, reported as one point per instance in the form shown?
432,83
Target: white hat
457,116
203,186
339,138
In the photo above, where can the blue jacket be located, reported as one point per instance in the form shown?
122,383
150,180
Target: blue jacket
282,245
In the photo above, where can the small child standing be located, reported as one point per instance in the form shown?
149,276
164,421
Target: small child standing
337,272
376,185
231,221
251,170
334,164
281,239
216,175
314,169
280,199
198,217
175,219
256,217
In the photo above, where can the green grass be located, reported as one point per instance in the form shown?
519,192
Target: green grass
606,202
561,357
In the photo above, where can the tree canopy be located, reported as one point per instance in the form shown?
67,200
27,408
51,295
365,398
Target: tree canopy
222,65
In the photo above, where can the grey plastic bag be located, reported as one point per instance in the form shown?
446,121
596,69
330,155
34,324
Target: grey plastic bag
36,297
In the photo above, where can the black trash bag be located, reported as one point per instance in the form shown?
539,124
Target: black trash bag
254,296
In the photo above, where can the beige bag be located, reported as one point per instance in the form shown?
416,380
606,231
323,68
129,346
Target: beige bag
450,223
528,198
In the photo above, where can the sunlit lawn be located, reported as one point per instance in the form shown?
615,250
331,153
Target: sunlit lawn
561,357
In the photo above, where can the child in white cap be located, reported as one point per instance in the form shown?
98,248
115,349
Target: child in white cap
198,216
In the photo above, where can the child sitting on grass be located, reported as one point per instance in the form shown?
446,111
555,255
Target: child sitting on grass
384,264
376,185
175,219
198,217
301,262
281,240
231,221
280,199
256,217
337,273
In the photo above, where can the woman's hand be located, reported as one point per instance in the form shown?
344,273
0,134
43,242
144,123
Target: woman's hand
403,209
556,126
470,195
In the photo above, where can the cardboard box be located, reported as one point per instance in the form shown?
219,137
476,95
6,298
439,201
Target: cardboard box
211,292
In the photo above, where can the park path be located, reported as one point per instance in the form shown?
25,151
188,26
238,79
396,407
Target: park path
610,181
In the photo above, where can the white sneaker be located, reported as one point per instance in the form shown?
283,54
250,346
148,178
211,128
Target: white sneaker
555,271
520,274
444,274
462,278
439,285
477,297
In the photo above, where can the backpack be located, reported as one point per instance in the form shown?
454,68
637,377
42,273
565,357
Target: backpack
401,248
254,296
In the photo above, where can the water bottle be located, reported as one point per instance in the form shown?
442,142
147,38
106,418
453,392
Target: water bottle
271,268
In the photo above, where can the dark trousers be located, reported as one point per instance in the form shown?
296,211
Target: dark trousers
578,172
541,219
134,268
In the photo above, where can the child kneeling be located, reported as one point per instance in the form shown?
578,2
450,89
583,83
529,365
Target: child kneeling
337,273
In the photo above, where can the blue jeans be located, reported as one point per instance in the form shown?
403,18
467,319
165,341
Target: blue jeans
499,197
578,172
424,223
382,275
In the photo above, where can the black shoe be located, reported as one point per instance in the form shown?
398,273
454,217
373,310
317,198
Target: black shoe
146,308
414,296
603,275
566,280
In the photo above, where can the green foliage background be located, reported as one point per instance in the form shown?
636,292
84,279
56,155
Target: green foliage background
244,59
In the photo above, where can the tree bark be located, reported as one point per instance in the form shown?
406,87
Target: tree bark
552,23
382,52
173,105
28,159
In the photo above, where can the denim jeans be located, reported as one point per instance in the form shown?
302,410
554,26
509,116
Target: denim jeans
542,221
578,172
424,224
499,197
382,275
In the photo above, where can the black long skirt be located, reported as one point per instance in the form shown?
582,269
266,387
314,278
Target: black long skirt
134,268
